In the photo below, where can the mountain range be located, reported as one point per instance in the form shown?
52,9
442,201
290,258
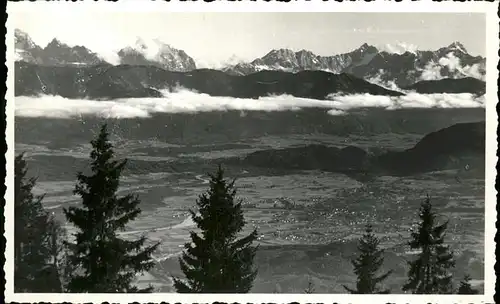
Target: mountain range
454,147
366,62
128,81
369,63
154,53
55,53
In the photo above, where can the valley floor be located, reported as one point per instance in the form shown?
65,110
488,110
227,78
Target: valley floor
308,221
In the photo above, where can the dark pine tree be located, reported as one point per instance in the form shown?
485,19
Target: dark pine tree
465,287
429,273
367,265
104,262
33,271
216,261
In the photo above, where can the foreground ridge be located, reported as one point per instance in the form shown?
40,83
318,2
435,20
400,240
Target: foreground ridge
122,81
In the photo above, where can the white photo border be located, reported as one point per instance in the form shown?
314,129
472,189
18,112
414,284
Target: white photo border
144,6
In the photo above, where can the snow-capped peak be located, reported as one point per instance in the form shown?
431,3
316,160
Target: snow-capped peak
281,59
365,47
20,35
457,46
23,41
156,52
151,49
219,64
55,43
305,52
280,53
234,60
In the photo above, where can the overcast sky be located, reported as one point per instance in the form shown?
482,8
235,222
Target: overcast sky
215,37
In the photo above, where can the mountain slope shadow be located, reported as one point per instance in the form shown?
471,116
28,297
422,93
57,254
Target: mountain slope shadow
454,147
122,81
449,85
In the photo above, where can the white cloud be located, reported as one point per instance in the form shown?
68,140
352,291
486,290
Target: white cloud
399,48
410,100
442,100
390,85
151,48
185,101
109,56
219,64
432,70
473,71
60,107
450,61
335,112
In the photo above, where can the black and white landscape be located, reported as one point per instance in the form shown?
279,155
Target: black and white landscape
319,145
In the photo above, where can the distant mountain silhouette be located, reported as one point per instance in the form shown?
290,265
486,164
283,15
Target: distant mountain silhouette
311,157
405,69
55,53
365,62
368,62
461,85
454,147
156,53
290,61
109,82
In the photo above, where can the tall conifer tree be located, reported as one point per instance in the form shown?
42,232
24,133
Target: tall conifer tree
367,265
106,263
216,261
33,271
429,273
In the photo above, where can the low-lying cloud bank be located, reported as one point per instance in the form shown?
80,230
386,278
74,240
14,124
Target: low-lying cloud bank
410,100
185,101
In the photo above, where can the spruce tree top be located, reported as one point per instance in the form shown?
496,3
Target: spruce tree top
367,265
430,273
216,261
428,232
109,263
221,218
465,286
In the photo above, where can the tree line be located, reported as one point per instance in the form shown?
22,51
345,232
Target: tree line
215,260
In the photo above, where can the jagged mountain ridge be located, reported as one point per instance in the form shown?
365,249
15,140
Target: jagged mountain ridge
405,69
367,62
55,53
290,61
155,53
